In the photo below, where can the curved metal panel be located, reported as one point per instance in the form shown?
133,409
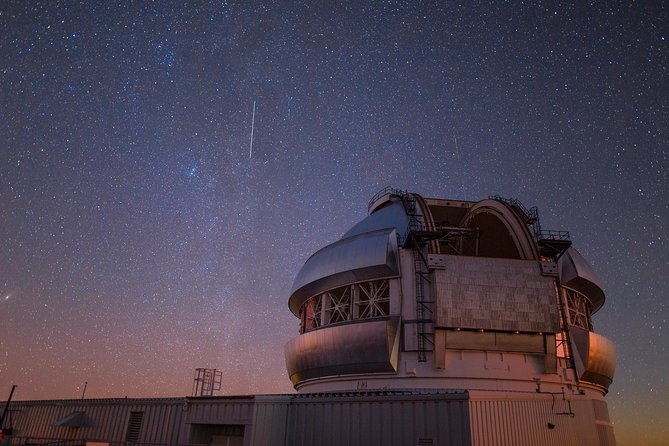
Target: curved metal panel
368,256
365,346
390,216
595,356
576,273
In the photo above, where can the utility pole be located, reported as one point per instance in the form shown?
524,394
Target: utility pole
4,412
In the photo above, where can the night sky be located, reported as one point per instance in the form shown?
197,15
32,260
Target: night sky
139,240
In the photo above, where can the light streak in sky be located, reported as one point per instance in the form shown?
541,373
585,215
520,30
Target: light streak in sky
253,121
457,149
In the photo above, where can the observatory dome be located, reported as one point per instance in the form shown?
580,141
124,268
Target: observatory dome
422,290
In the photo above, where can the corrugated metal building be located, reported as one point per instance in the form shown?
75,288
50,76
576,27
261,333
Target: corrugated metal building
340,418
355,418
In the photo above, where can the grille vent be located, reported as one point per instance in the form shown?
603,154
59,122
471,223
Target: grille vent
134,426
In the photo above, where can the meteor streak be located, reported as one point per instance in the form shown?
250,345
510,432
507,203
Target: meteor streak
253,121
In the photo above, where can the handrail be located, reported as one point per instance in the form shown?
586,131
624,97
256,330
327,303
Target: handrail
386,190
550,234
531,213
533,216
17,440
43,441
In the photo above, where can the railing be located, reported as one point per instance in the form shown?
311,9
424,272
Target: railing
129,443
532,213
386,190
15,440
549,234
41,441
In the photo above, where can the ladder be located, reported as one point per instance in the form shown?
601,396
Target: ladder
565,342
424,308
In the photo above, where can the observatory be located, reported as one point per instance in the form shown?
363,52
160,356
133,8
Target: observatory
448,294
431,321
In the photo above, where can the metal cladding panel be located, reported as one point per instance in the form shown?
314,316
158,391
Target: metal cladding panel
219,410
375,420
107,420
507,422
269,420
390,216
372,255
491,341
606,437
576,273
595,356
364,346
494,294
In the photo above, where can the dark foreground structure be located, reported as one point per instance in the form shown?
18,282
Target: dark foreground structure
431,321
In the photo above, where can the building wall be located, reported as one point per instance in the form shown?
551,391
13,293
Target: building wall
203,414
494,294
479,418
270,418
378,420
106,420
514,420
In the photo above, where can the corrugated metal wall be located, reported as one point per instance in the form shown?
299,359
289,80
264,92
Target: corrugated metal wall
219,411
526,422
107,419
353,418
269,420
216,411
378,420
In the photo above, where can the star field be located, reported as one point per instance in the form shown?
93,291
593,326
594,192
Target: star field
139,240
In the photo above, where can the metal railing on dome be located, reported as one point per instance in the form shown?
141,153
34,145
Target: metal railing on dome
550,234
531,217
386,190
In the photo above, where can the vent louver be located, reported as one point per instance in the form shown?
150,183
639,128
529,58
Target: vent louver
134,426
